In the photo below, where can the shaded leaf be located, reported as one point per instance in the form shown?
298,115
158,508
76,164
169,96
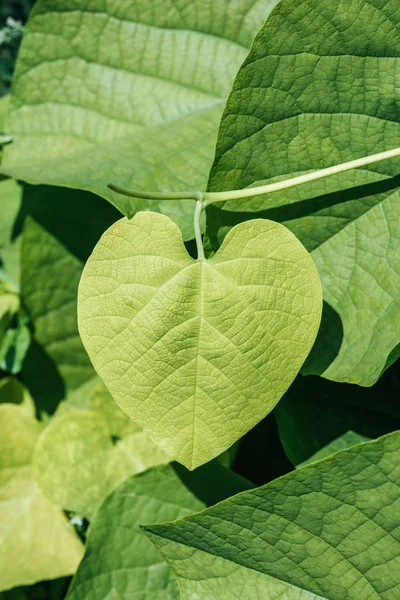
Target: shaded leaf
119,558
347,440
314,412
59,234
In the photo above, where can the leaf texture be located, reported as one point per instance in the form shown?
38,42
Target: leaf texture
129,91
320,87
197,352
329,530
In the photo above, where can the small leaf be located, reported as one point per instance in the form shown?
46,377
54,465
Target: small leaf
59,234
197,352
329,530
76,464
36,541
12,391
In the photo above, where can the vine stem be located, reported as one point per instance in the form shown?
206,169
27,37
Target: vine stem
197,230
212,197
204,199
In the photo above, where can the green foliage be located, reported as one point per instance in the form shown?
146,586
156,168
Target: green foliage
35,540
61,227
10,192
77,465
315,412
193,331
153,122
317,89
329,530
122,560
158,324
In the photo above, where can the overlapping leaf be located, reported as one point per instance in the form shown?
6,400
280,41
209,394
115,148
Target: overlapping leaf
315,412
77,463
36,540
320,87
329,530
126,91
119,558
197,352
62,228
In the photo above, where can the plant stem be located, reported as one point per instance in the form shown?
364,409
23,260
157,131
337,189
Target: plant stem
197,230
207,198
155,195
212,197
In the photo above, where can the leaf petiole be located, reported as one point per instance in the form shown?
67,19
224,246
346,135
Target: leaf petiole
197,230
204,199
155,195
212,197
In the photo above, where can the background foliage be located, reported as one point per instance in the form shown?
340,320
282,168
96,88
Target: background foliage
88,474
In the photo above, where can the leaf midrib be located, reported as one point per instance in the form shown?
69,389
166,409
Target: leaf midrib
196,372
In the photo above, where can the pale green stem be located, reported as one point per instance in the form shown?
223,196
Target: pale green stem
155,195
197,230
212,197
207,198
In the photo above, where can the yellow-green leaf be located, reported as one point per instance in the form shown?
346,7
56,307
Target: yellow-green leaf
36,540
197,352
76,464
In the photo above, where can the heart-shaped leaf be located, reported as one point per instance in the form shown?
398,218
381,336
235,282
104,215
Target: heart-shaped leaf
198,351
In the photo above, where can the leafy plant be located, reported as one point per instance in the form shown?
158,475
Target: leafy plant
156,368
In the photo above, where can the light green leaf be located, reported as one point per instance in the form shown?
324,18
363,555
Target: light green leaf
36,541
329,530
197,352
140,97
4,106
76,463
19,433
319,88
120,561
59,235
